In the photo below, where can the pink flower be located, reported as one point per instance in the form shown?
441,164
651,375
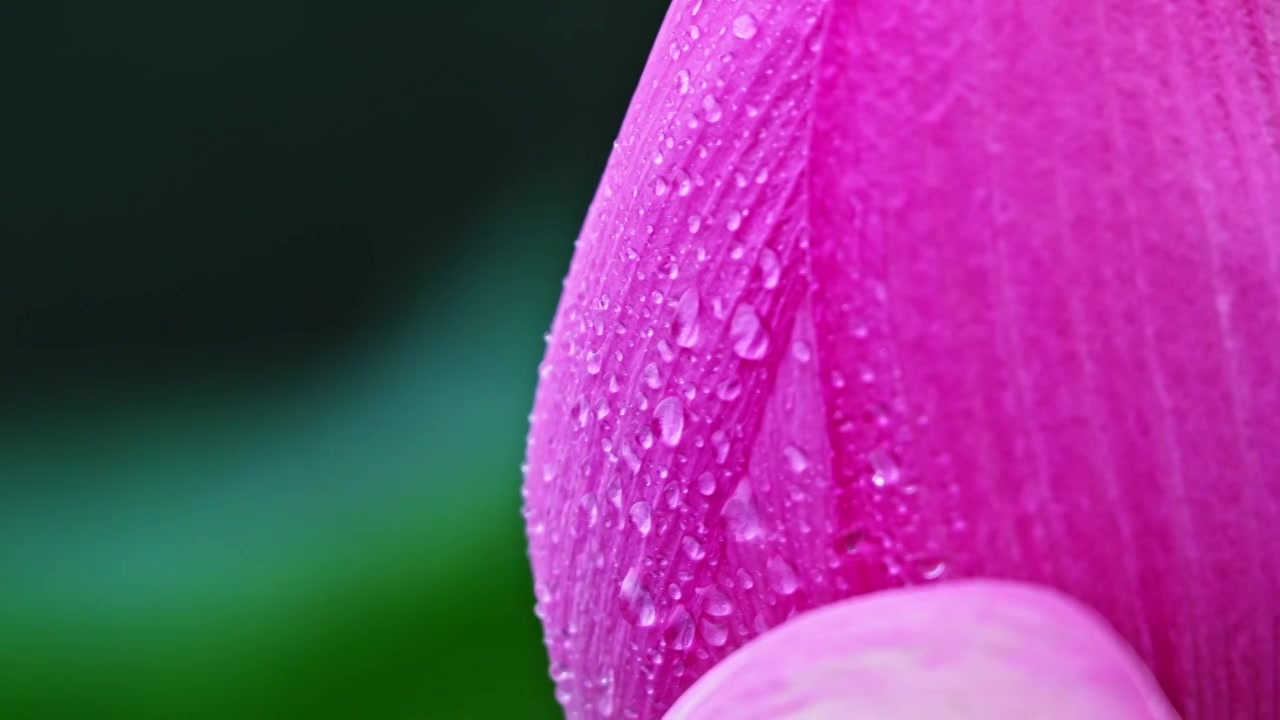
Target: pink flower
878,293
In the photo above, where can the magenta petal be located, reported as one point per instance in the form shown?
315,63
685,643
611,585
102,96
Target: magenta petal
976,649
875,293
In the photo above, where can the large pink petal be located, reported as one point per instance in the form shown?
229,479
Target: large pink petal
876,292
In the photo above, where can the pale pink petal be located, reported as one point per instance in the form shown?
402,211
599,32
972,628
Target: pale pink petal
970,650
876,293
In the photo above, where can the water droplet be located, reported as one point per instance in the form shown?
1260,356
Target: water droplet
734,221
630,458
641,517
852,542
729,389
674,591
801,351
770,268
637,604
687,319
590,509
605,704
658,158
745,580
671,495
684,185
706,483
711,106
560,673
660,187
679,631
665,352
930,567
692,548
837,379
740,515
782,577
670,416
884,469
695,223
716,603
614,493
594,362
762,177
714,633
720,441
750,340
796,459
682,82
651,376
744,26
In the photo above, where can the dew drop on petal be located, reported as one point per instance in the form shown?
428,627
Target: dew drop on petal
692,548
641,517
706,483
729,389
716,603
711,106
684,185
670,416
687,319
741,518
930,567
720,441
682,82
590,509
665,352
637,604
744,27
750,339
714,633
679,630
796,459
782,577
651,376
884,469
770,268
801,351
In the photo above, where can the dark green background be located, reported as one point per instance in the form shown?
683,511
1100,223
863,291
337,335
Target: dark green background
273,283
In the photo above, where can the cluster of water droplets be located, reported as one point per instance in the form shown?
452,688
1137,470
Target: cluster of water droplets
662,509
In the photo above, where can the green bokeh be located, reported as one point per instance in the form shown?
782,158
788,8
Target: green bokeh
274,300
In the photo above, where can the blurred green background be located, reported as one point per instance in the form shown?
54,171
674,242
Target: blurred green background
273,283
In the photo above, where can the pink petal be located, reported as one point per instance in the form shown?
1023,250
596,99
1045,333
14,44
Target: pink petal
875,292
972,649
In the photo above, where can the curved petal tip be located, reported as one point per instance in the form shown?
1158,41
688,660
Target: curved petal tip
970,649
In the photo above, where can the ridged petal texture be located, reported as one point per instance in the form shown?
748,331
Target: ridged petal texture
878,293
